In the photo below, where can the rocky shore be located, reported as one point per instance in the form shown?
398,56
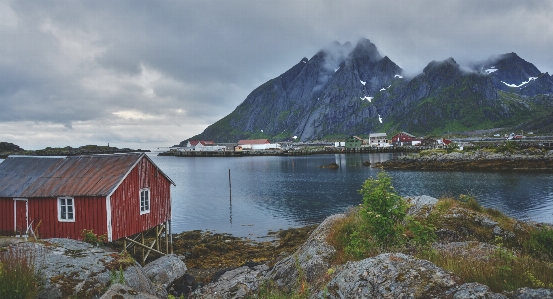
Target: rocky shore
523,160
7,149
243,269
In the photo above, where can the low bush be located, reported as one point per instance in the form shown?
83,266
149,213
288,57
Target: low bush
508,146
383,210
380,224
540,243
90,237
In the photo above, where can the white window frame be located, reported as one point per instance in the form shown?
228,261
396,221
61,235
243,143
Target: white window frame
63,202
144,203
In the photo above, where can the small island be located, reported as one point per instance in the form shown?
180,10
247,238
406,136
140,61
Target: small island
7,148
506,157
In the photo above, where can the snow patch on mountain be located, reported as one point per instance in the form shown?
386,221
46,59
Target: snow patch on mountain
367,98
521,84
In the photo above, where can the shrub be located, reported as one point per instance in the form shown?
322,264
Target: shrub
19,277
471,203
90,237
508,146
424,234
451,147
540,243
383,209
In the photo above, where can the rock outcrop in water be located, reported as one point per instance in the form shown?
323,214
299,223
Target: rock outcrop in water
474,160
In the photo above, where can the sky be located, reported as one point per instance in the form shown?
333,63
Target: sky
148,74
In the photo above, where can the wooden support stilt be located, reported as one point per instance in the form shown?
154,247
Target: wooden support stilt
166,239
157,237
144,246
142,243
170,236
151,248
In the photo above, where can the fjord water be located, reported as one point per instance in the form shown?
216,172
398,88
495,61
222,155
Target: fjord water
268,193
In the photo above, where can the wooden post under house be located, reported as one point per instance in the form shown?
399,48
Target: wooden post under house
162,231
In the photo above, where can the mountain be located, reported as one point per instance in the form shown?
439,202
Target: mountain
344,90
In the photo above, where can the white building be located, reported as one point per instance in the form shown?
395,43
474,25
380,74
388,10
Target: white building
378,139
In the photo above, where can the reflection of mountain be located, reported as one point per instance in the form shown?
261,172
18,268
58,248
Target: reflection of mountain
269,193
309,194
345,90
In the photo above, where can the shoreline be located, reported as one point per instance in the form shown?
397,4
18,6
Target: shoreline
528,160
208,253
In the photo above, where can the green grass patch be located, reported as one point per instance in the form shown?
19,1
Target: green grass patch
20,278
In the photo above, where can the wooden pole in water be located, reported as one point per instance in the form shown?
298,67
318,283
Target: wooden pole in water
229,185
230,197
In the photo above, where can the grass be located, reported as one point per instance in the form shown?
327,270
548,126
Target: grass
503,270
19,277
524,260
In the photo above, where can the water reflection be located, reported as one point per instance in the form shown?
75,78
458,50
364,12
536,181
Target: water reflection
269,193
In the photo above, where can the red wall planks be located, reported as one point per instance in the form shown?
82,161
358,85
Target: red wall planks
91,211
125,201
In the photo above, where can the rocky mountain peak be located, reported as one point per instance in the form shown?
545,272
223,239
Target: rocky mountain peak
344,90
448,64
509,71
366,50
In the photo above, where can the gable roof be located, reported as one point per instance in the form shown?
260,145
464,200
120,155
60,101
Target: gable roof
253,141
96,175
206,143
404,133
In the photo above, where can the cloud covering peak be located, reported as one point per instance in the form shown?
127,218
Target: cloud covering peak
152,73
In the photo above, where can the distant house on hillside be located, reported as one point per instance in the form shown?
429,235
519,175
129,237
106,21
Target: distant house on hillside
353,142
402,138
257,144
113,195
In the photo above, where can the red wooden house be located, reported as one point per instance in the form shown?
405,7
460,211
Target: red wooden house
115,195
403,138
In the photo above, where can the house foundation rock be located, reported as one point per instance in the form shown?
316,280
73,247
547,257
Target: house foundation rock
75,268
310,262
165,270
234,284
120,291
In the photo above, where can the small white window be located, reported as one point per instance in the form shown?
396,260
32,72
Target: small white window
144,201
66,209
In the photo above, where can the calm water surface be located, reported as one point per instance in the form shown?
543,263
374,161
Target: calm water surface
271,193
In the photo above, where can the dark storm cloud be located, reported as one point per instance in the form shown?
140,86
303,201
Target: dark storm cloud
192,62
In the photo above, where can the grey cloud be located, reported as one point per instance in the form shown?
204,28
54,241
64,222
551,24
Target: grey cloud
66,62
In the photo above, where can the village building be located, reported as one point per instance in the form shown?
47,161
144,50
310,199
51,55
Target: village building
353,142
378,139
403,139
257,144
118,196
202,146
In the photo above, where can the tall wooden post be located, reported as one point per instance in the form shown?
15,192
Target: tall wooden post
142,242
166,237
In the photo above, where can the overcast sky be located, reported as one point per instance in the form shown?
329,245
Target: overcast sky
146,74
